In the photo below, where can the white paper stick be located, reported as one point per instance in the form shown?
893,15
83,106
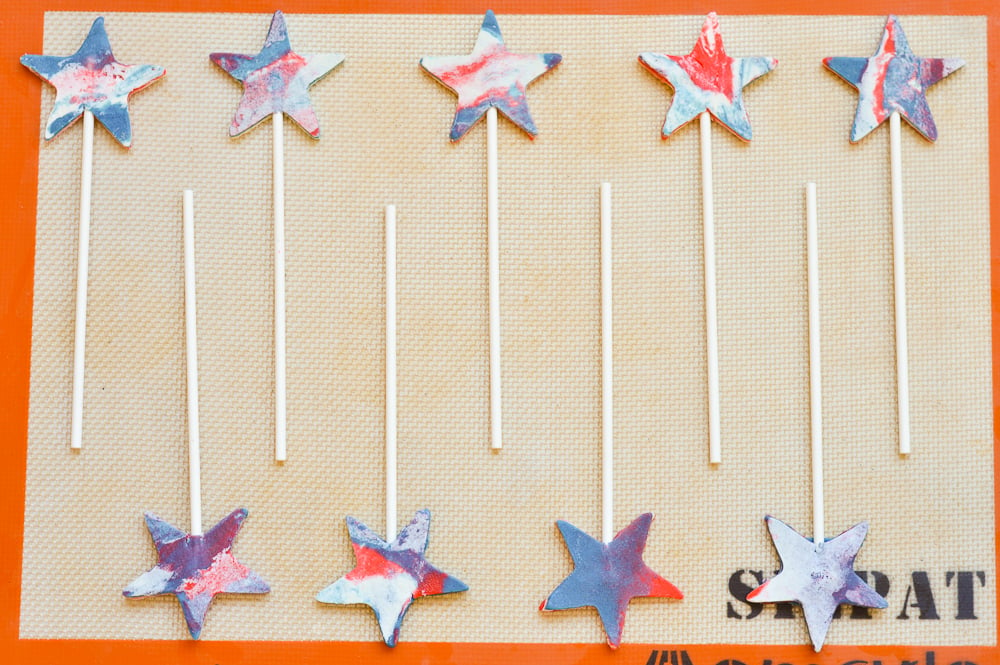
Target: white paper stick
711,321
899,279
390,372
191,330
493,250
607,370
83,261
815,373
278,167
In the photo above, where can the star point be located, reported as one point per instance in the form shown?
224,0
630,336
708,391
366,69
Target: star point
92,80
892,80
607,576
388,576
195,568
817,576
276,80
490,76
707,79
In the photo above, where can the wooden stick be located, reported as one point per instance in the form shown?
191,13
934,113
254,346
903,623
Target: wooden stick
390,373
711,315
899,280
278,166
191,333
493,250
83,261
815,373
607,369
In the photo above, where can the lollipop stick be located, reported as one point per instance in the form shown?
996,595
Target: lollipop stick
390,372
711,324
815,374
493,249
607,371
83,260
191,330
899,279
279,288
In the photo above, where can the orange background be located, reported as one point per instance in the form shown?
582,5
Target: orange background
21,27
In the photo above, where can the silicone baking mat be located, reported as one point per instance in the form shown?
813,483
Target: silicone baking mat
932,515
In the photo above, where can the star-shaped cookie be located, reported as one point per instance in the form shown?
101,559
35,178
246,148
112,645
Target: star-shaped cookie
196,568
606,576
892,80
276,80
706,79
388,577
91,79
490,76
819,577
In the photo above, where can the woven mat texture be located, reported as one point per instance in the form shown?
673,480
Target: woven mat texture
385,140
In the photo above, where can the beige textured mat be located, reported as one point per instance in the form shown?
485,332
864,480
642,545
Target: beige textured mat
384,140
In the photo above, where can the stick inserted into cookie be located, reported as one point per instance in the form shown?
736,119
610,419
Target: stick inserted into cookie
892,84
489,79
708,83
93,84
276,84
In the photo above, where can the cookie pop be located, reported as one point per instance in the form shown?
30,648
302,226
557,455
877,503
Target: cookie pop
708,84
817,574
194,567
892,84
609,573
390,573
275,84
90,83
